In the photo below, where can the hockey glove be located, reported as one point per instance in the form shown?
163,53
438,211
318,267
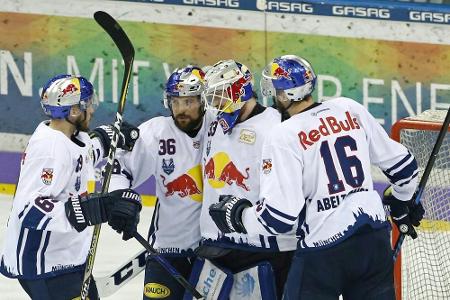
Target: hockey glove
128,135
405,214
119,208
87,210
124,214
227,213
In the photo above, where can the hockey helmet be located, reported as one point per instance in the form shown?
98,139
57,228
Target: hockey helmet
291,74
63,91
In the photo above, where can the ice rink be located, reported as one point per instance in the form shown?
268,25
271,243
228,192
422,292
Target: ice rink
112,252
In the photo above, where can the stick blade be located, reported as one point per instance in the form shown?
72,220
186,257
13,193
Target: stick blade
118,35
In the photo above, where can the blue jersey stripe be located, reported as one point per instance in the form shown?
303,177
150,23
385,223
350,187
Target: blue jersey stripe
19,246
273,243
32,218
29,257
277,225
45,223
23,211
404,173
44,248
401,162
281,214
408,181
262,241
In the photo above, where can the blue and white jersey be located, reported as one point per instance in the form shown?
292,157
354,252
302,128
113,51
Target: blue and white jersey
231,166
174,158
40,242
315,170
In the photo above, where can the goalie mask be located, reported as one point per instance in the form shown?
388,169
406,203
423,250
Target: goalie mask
61,92
229,84
291,74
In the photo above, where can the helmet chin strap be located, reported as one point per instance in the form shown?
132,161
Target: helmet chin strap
283,110
77,123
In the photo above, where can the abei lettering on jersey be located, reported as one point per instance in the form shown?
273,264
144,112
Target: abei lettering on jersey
329,125
156,291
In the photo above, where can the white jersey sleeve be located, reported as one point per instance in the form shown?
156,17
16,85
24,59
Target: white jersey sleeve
397,163
131,169
281,178
43,209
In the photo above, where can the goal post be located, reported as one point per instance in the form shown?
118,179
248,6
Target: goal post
422,271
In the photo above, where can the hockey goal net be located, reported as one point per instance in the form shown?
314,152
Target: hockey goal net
423,269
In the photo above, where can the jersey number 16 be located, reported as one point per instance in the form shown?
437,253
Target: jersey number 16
346,162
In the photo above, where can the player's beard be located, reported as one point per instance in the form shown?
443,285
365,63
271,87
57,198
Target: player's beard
187,123
82,123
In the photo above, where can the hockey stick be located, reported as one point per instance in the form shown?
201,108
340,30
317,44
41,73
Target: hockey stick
426,174
109,284
163,262
112,282
126,49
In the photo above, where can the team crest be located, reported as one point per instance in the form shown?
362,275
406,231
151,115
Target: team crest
78,183
47,176
267,166
196,144
168,166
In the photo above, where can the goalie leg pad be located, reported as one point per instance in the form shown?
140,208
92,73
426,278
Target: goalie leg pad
254,283
212,282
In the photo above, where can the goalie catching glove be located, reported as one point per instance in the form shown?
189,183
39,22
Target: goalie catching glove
405,214
227,213
128,135
119,208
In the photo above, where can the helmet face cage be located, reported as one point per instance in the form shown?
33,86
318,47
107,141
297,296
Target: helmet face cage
188,81
228,85
61,92
291,74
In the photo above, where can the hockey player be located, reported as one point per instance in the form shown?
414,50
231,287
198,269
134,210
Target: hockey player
170,149
316,171
231,159
47,239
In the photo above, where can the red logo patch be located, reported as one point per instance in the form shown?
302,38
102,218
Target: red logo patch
47,176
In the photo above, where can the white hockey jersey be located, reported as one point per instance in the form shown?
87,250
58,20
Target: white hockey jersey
316,171
40,242
232,167
173,157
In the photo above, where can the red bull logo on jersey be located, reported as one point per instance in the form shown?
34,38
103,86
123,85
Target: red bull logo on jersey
278,72
220,170
47,176
186,185
328,125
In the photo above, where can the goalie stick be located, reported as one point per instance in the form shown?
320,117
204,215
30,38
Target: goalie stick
123,43
126,49
426,174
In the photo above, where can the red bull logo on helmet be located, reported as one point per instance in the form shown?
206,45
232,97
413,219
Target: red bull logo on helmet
278,72
69,89
236,90
220,170
186,185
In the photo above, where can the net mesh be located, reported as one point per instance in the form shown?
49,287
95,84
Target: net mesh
426,261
